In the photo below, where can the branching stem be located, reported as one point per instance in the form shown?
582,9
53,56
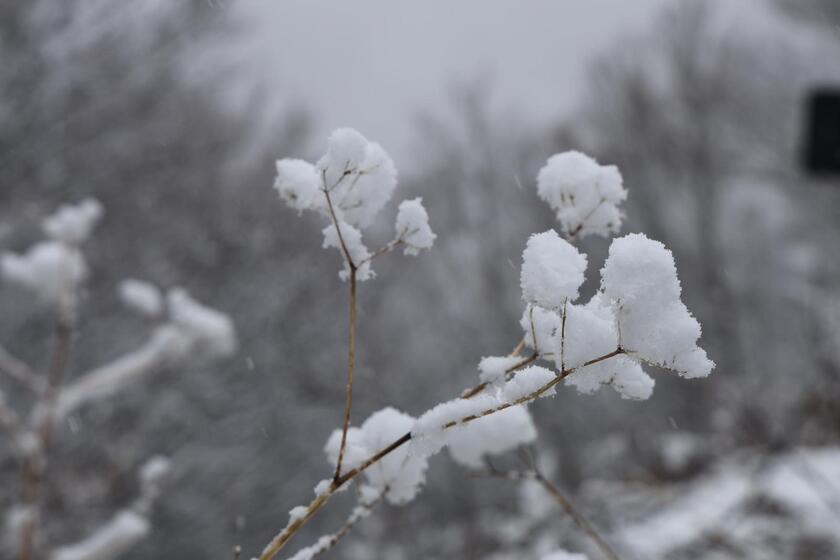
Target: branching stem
33,463
281,539
351,342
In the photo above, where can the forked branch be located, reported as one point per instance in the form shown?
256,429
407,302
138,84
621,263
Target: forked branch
280,541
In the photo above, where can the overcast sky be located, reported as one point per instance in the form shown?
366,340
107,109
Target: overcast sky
372,64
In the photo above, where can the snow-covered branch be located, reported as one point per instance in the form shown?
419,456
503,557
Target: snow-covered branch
635,317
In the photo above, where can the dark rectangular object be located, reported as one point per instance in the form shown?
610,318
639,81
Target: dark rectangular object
822,134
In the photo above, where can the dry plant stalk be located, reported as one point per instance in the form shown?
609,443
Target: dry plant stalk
33,464
586,197
282,539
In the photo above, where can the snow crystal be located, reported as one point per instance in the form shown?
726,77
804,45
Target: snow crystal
298,184
492,369
491,435
140,296
310,552
359,176
110,541
413,226
154,469
545,327
359,254
51,269
428,435
552,270
297,513
563,555
72,224
401,472
323,485
590,333
584,194
212,329
639,276
527,381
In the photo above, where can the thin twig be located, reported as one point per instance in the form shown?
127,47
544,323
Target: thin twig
357,515
32,466
576,516
351,343
469,393
282,538
20,372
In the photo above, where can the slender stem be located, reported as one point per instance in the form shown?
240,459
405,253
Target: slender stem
351,366
351,344
469,393
281,539
356,516
32,467
576,516
534,474
19,371
563,336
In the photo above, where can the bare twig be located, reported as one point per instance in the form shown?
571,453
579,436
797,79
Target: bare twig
282,538
576,516
359,513
351,343
20,372
509,372
32,466
533,473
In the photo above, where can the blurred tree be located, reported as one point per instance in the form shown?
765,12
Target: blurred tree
131,104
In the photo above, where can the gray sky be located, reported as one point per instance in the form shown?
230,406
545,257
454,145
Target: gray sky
372,64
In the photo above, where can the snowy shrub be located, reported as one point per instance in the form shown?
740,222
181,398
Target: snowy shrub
635,318
55,271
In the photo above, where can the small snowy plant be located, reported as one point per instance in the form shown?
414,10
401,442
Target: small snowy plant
635,319
55,270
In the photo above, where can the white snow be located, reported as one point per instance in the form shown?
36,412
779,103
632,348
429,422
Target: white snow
413,226
72,224
51,269
140,296
563,555
299,185
492,369
359,254
584,194
491,435
527,381
640,278
212,330
400,472
543,324
111,541
359,176
552,270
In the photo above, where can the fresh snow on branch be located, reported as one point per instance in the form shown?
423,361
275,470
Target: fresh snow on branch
350,185
210,330
140,296
73,224
55,269
640,279
110,541
50,269
584,194
491,435
563,555
552,270
413,227
400,473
